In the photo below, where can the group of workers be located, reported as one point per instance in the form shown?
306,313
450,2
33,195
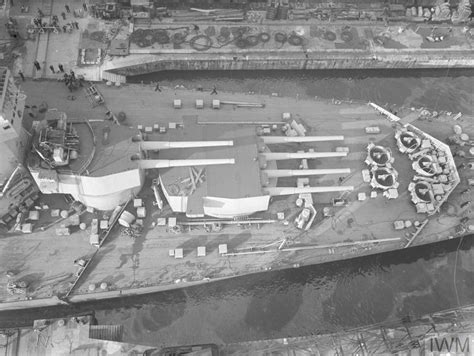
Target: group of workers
39,25
54,24
12,27
71,81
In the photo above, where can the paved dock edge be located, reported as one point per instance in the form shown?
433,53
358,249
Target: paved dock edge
55,301
296,61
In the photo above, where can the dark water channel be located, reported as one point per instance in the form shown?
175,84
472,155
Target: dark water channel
437,89
296,302
311,299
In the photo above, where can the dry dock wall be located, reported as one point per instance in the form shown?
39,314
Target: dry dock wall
299,61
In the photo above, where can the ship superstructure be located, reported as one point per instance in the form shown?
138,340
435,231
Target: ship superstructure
103,164
220,171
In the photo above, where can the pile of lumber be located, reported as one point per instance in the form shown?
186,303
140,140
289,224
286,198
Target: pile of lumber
209,15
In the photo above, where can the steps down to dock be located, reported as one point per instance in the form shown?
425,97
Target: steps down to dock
114,78
42,43
106,332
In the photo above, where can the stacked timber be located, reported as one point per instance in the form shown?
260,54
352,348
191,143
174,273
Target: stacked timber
297,14
442,11
230,15
161,12
209,15
348,14
255,16
462,13
272,10
282,13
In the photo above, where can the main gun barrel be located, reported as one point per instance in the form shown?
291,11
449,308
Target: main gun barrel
300,139
277,173
165,145
278,156
275,191
167,163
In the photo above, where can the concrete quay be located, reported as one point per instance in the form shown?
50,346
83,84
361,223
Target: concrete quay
430,334
404,46
355,45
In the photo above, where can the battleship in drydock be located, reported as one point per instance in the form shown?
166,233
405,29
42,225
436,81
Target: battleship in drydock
233,189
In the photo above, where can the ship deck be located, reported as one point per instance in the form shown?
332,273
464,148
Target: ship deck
228,180
46,260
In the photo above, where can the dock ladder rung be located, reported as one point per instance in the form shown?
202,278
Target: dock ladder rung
106,332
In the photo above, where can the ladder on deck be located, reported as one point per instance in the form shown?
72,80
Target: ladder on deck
106,332
94,96
3,80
